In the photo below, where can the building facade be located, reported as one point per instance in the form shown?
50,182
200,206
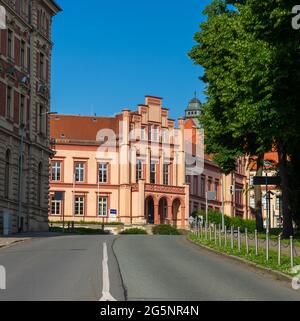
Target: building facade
129,168
25,64
232,191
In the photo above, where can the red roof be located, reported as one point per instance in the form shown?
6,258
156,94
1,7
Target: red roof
82,128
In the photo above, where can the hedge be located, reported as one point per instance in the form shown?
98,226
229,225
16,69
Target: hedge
215,217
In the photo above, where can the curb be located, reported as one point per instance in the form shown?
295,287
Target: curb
279,275
14,243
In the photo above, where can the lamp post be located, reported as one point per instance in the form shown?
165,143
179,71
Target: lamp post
20,190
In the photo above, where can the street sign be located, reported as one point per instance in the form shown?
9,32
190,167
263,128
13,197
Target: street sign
113,212
211,196
58,196
266,180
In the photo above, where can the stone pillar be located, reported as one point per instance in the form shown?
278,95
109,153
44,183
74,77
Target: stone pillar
124,149
148,163
181,154
170,214
156,213
133,162
142,199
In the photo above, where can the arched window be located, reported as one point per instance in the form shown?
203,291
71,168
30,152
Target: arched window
39,184
7,174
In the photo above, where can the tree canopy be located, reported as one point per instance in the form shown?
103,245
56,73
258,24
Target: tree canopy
251,60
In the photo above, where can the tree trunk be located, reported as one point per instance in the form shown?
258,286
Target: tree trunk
258,194
288,229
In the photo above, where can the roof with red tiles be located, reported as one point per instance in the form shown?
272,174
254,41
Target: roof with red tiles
81,128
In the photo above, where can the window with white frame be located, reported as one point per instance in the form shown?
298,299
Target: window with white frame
166,174
56,171
102,206
79,172
153,173
55,207
143,134
79,205
102,173
139,170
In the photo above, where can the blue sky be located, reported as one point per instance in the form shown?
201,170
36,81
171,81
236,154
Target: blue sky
108,55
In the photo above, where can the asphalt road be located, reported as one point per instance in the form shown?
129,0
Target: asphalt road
130,268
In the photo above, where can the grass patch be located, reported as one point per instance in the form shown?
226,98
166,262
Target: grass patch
165,230
259,260
134,231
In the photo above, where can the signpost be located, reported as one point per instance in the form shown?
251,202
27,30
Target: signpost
210,196
267,181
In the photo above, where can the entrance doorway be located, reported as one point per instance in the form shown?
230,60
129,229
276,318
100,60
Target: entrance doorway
149,210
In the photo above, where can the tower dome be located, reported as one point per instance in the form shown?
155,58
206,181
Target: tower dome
194,108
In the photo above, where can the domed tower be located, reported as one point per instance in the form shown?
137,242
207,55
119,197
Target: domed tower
194,109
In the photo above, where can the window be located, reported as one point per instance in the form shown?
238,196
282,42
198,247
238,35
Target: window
202,186
195,185
10,44
9,103
22,56
166,174
155,134
39,185
209,185
143,134
239,195
153,173
139,171
55,207
79,205
79,172
102,173
252,201
165,136
22,110
42,64
217,184
56,171
42,120
102,206
7,174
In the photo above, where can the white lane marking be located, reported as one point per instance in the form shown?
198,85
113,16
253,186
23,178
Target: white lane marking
106,296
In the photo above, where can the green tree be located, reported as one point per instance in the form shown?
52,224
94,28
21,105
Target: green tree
250,55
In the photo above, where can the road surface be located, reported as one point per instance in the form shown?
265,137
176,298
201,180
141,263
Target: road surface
163,268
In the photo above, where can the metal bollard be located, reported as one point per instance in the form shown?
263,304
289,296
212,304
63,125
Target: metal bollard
247,241
267,246
279,250
256,243
215,227
292,251
232,236
239,239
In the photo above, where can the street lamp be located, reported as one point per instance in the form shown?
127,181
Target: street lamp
21,148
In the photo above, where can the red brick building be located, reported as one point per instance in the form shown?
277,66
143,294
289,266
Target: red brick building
25,64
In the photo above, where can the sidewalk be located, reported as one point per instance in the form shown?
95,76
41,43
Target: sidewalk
18,238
